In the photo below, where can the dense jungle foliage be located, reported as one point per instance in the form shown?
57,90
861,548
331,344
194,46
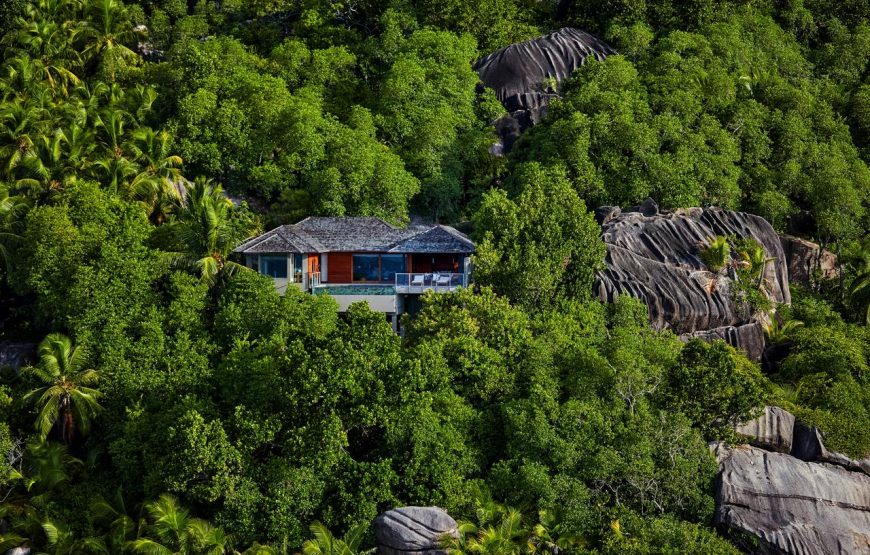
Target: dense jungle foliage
180,405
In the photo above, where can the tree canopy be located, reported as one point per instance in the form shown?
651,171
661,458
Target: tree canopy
180,404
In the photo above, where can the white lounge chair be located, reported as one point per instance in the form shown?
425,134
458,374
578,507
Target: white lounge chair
417,281
443,280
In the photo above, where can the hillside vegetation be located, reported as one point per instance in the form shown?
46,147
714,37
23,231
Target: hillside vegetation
178,404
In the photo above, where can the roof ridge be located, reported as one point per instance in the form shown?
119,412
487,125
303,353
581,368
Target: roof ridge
257,239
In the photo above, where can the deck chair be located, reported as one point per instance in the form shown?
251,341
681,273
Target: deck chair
443,279
417,281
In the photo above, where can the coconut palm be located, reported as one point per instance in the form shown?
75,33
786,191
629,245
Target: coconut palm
155,185
172,530
106,29
204,230
47,44
112,516
781,332
47,469
21,125
324,543
12,207
66,399
507,536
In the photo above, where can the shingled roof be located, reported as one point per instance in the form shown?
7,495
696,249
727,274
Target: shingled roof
357,234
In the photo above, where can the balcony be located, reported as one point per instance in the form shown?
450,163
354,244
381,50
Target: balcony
433,281
303,280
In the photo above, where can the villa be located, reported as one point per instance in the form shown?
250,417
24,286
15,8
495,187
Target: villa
362,259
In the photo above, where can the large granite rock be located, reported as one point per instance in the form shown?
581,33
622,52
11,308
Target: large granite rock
413,531
792,506
15,355
523,75
773,430
748,338
804,258
809,446
654,256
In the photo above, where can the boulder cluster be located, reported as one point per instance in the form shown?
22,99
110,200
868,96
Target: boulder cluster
655,256
786,489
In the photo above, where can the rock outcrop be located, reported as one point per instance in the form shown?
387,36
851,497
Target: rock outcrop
773,430
654,256
809,446
524,75
15,355
804,258
793,506
413,531
790,491
748,338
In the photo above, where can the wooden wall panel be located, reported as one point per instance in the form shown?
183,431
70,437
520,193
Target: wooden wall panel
422,263
340,266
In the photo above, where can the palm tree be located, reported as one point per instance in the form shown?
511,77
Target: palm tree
778,332
155,185
859,291
66,400
716,254
324,543
204,229
174,531
47,469
47,44
12,207
755,258
107,29
21,125
120,527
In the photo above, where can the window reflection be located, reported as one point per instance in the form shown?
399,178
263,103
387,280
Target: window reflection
273,266
392,264
365,267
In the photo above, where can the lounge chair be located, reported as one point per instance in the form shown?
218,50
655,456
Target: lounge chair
417,281
443,280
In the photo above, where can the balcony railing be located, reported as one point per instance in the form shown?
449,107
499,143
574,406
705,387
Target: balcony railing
437,281
303,280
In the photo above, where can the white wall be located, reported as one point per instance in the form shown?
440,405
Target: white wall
378,303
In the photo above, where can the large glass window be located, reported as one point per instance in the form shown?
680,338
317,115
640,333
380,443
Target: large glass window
298,268
365,267
273,266
392,264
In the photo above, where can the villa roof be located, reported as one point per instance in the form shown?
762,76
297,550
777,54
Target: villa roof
357,234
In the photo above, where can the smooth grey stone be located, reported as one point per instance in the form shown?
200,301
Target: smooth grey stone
413,530
773,430
748,338
656,259
792,506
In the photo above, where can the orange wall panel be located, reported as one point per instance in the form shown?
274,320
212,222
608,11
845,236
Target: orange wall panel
340,265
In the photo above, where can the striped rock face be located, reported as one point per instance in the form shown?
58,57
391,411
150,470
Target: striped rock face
525,76
654,256
413,531
793,506
520,73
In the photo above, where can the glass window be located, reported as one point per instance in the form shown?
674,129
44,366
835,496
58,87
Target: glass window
298,268
392,264
365,267
273,266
